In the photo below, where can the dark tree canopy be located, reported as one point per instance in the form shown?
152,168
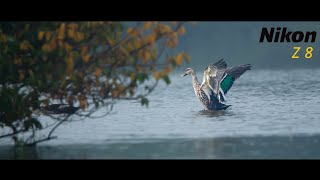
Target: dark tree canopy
76,68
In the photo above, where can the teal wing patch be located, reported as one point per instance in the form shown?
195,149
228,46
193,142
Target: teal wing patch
227,83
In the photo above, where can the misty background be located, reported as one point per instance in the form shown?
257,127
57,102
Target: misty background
238,43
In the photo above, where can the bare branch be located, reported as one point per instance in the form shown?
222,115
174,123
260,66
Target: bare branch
41,140
55,127
12,134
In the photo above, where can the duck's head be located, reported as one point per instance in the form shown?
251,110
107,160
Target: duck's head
188,71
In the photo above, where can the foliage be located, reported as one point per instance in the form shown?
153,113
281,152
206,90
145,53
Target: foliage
85,64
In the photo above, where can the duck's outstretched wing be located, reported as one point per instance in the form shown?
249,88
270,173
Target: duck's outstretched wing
212,75
218,79
228,78
220,67
216,70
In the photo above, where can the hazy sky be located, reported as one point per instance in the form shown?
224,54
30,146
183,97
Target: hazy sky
238,43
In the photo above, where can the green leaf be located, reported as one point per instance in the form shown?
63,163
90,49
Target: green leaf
144,101
166,79
105,71
36,123
141,77
32,123
173,63
27,124
96,104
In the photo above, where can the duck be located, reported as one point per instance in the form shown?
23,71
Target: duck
216,83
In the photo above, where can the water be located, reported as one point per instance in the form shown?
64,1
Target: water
274,114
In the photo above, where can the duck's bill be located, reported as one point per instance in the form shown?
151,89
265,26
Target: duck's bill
184,75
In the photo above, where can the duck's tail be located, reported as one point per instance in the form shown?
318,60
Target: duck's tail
221,106
216,105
